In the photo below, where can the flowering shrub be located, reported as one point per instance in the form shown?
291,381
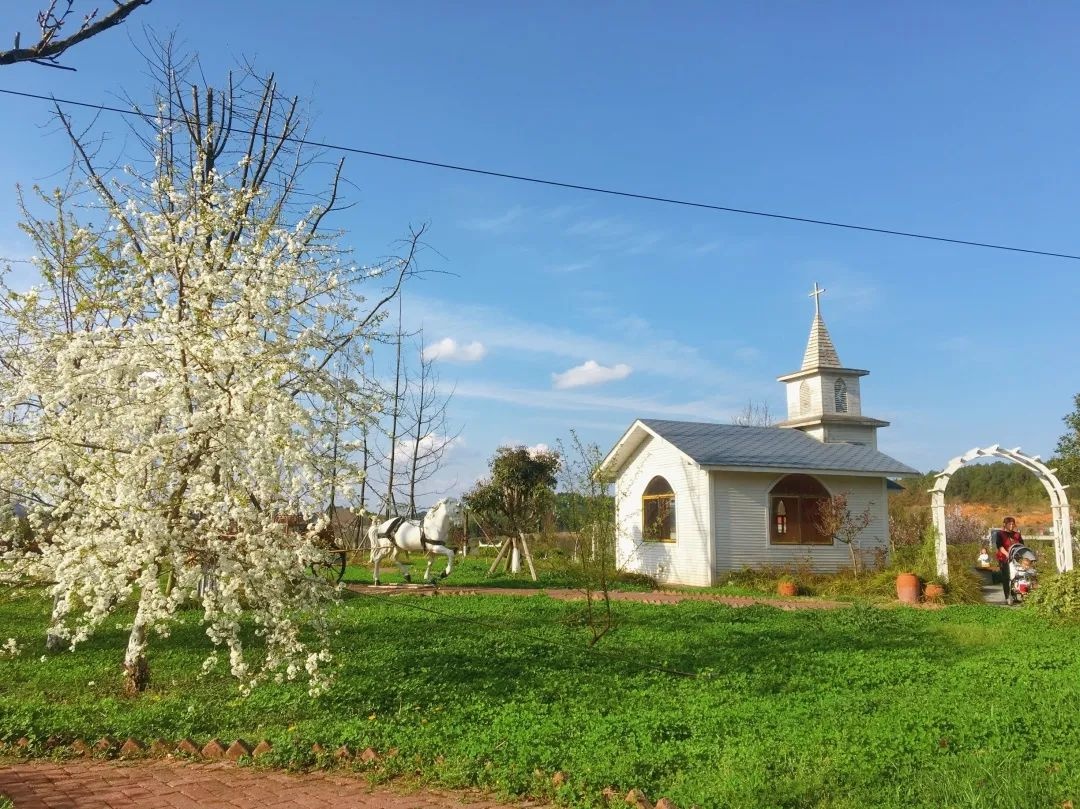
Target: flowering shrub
961,529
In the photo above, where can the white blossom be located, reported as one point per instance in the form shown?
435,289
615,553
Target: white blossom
168,409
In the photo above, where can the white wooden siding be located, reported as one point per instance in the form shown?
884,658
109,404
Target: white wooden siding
852,432
687,560
823,395
740,505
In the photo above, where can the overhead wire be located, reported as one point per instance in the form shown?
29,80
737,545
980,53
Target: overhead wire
569,185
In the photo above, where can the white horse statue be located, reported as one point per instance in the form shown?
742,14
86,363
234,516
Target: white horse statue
427,536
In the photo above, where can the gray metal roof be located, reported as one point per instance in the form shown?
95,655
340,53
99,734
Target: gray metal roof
772,447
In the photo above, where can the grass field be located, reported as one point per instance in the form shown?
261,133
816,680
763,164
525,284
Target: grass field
708,705
472,571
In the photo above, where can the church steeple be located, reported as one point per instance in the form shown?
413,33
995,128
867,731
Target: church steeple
823,396
820,351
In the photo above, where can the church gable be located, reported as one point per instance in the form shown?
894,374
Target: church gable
628,447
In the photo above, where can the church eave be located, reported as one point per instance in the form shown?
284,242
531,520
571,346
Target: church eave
806,373
800,470
833,418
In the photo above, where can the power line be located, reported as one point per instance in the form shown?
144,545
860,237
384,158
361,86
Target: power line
572,186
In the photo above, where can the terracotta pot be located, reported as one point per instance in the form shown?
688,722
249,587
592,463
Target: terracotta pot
787,588
907,588
933,592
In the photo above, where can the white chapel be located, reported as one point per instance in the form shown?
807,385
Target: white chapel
694,500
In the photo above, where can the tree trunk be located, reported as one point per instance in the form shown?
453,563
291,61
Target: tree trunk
367,461
854,559
391,505
55,642
515,557
136,669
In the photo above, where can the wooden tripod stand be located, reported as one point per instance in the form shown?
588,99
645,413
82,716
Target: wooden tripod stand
513,548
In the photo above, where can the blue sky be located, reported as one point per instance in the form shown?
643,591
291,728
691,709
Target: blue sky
957,119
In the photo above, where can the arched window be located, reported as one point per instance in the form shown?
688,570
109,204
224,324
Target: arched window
793,508
840,395
804,398
658,511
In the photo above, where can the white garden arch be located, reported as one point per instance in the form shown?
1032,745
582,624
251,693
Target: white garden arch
1059,504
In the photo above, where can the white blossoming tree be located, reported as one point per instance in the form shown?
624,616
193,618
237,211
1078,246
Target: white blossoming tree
168,389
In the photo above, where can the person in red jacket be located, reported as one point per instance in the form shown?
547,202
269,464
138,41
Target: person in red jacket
1005,539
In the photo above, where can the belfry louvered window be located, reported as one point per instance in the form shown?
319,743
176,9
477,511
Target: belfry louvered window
804,399
840,395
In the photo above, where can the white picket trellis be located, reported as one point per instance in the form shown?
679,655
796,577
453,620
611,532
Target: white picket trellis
1059,504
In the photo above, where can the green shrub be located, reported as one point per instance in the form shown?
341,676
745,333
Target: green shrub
636,579
965,584
1058,596
875,585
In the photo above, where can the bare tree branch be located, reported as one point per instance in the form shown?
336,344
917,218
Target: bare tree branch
51,46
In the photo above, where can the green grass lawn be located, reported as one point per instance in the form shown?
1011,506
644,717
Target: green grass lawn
552,571
555,570
859,707
472,571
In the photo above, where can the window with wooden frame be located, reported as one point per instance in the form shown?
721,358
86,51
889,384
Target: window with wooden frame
658,511
793,508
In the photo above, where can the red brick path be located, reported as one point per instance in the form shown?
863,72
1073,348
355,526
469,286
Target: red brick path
178,785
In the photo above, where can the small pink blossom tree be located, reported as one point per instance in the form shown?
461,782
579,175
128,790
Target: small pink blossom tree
835,520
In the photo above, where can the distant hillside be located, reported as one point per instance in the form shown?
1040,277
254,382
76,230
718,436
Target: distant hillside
994,484
985,492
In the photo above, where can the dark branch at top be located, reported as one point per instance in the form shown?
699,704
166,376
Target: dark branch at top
51,45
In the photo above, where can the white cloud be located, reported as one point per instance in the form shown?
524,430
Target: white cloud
608,227
847,289
707,248
495,224
643,243
572,267
495,328
430,444
590,372
450,350
715,409
560,212
538,449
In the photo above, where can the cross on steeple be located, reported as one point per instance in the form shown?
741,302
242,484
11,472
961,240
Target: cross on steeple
816,295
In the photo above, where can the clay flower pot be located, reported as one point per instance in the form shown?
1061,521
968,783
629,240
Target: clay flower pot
787,588
934,592
907,588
